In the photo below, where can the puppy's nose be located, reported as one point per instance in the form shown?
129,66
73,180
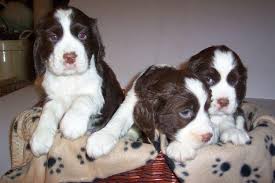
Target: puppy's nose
223,102
206,137
69,57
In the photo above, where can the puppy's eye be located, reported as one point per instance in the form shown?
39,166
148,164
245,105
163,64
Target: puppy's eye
82,36
186,114
53,37
210,81
232,78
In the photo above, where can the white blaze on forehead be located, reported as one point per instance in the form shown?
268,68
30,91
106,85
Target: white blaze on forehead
67,43
223,62
196,87
63,17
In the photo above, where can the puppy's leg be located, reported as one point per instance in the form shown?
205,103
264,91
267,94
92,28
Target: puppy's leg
133,133
103,141
216,134
75,122
184,148
235,134
240,122
43,136
190,138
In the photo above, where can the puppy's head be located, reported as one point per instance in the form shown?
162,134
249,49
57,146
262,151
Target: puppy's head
176,104
225,75
67,43
184,114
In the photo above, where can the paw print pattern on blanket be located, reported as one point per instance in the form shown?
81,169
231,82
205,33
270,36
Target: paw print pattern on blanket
151,160
14,173
126,145
249,174
129,144
82,156
269,145
54,165
132,144
220,167
178,168
184,173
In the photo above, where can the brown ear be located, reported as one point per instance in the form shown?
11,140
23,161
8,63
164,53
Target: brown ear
100,52
39,63
144,117
241,86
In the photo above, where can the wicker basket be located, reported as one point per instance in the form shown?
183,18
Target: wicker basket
155,171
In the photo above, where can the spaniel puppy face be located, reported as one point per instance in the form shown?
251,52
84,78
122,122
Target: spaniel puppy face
67,42
176,111
225,75
176,102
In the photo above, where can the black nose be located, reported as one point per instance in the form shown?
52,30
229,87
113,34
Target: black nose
223,102
69,57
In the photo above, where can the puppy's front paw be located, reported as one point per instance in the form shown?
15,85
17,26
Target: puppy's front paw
41,141
180,152
100,143
73,126
236,136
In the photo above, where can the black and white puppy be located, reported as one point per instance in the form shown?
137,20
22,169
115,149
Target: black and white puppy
162,100
80,86
225,75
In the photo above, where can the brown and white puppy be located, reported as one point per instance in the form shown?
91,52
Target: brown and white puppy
81,88
171,101
225,75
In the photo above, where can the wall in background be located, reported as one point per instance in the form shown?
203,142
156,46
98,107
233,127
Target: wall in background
139,33
10,106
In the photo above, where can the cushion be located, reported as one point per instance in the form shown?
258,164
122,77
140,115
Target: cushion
67,160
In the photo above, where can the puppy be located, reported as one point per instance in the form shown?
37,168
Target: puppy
81,89
161,99
225,75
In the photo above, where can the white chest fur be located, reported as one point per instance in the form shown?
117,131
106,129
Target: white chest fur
67,88
73,100
219,119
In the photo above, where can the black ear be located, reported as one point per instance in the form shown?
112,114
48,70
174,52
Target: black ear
39,64
100,51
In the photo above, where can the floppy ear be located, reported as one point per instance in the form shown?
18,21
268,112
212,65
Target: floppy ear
241,86
100,52
144,117
39,64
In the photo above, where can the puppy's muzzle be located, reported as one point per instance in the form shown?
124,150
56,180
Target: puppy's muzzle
69,58
223,102
206,137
